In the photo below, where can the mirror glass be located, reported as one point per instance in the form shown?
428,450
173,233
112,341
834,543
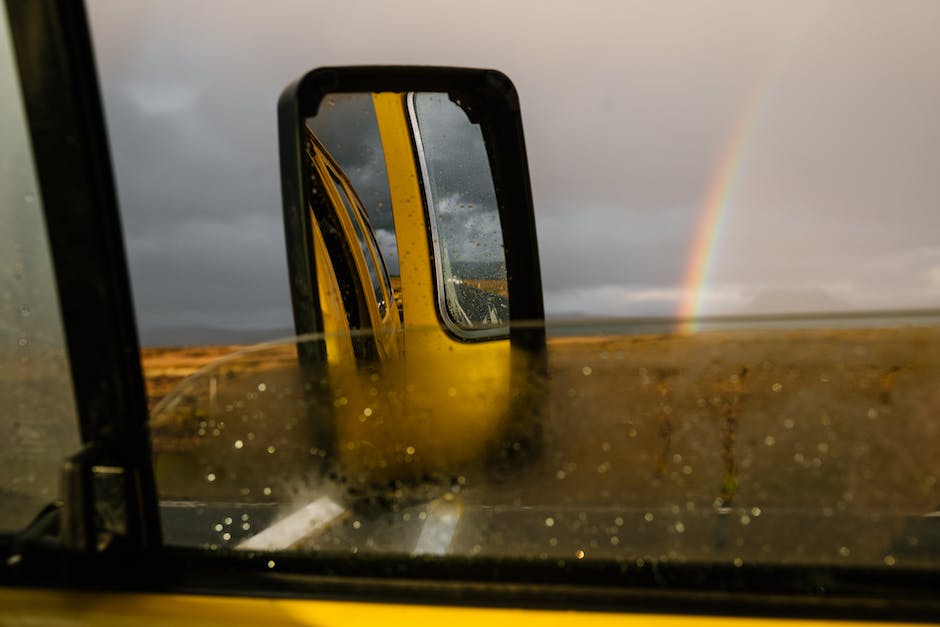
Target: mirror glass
459,214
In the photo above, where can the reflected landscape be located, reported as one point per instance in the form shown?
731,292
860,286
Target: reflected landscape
780,446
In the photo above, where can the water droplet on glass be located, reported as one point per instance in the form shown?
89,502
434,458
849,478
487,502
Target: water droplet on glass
745,520
648,516
680,527
210,477
267,491
239,444
844,551
889,560
270,563
367,411
218,527
579,554
549,522
738,562
776,387
226,536
586,371
618,521
271,450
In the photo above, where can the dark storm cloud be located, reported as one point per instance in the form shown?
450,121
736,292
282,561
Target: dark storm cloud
347,127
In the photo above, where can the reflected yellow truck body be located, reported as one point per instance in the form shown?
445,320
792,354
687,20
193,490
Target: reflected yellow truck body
438,403
72,608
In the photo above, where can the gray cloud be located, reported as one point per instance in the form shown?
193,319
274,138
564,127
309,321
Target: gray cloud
629,109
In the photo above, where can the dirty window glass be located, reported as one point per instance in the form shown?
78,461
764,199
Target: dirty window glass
630,446
38,423
466,234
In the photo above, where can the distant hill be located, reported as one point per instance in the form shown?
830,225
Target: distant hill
797,300
209,336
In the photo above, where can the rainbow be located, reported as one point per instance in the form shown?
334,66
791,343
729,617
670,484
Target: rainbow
720,193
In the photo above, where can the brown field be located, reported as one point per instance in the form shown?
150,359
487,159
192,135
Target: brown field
165,368
835,434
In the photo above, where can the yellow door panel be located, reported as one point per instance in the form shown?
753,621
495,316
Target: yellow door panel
50,607
335,324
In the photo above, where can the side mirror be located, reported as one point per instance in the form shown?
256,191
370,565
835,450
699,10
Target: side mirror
461,131
413,258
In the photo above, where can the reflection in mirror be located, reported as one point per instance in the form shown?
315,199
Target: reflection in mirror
464,219
460,218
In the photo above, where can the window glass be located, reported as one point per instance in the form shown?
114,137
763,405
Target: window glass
466,234
38,423
767,447
773,163
364,245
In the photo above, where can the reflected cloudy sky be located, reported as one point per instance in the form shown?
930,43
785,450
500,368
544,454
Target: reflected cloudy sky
810,127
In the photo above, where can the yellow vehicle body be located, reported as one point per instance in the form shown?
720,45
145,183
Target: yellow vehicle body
430,403
75,608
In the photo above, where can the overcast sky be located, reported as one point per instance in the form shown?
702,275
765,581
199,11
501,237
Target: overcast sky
629,110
